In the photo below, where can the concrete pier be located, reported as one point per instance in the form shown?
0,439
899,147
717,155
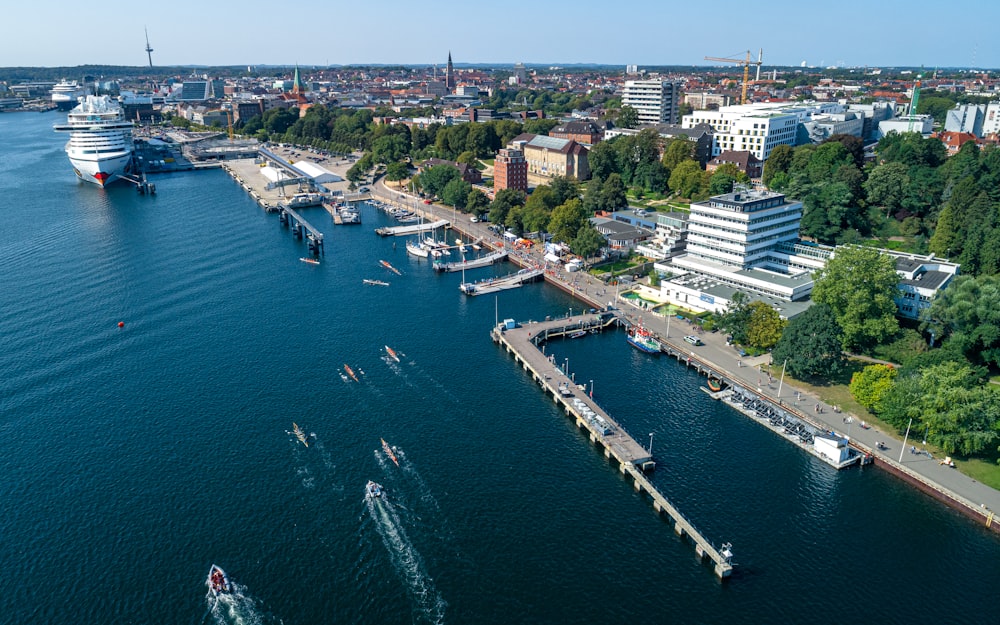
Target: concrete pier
302,229
634,460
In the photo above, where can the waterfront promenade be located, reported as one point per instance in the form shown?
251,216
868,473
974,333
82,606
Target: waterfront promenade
944,483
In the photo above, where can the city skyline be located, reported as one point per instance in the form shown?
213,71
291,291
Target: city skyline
557,33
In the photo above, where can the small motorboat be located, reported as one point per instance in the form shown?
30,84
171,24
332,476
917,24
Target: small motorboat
390,451
373,490
392,353
578,334
350,372
299,434
218,581
375,282
714,385
311,261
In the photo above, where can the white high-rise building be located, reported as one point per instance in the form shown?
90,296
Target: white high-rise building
742,229
656,101
757,128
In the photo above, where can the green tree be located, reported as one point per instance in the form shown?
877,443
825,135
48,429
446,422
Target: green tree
886,186
397,171
687,180
503,201
950,402
563,189
456,192
603,160
628,117
434,179
477,203
764,326
860,285
180,122
588,241
811,343
612,196
567,220
540,126
871,385
677,150
968,313
736,318
778,162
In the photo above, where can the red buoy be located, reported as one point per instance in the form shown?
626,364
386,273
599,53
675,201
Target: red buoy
121,324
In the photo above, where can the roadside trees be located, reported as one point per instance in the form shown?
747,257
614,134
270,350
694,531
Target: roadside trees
811,344
859,285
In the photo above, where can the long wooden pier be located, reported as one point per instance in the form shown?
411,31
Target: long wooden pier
634,460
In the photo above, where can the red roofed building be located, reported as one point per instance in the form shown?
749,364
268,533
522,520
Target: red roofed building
954,140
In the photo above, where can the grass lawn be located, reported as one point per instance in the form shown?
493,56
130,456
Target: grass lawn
836,393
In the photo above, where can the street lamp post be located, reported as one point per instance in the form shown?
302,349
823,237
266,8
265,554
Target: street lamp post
566,367
782,377
591,389
650,443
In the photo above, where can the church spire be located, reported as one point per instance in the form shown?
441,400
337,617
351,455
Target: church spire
449,74
297,82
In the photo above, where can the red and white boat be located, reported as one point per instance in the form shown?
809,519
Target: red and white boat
350,372
218,581
392,353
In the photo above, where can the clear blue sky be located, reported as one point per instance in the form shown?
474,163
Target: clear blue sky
958,33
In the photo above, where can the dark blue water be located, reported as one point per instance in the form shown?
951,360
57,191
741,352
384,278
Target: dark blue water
132,459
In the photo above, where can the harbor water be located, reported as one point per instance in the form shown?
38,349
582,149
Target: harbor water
134,457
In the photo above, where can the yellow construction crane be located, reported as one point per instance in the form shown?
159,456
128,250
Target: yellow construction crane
746,69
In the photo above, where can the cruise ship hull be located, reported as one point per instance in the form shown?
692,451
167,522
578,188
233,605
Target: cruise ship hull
64,103
100,172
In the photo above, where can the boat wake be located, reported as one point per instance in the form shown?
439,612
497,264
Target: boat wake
237,608
313,464
428,605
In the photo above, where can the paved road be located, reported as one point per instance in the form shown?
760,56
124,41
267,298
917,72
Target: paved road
752,371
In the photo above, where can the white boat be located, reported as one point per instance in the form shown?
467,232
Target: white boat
373,489
417,249
349,215
392,353
311,261
302,200
100,142
66,93
375,282
218,581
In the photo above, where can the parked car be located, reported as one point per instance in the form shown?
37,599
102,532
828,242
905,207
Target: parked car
694,340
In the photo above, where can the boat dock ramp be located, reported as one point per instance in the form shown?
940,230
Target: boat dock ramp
494,285
483,261
523,342
399,231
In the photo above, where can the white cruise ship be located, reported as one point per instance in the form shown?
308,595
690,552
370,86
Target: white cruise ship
66,93
100,140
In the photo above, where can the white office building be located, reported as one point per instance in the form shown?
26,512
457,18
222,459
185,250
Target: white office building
656,101
759,127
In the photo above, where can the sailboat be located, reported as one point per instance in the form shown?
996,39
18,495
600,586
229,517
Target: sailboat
392,353
417,249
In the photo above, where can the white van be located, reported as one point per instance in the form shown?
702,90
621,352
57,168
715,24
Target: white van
694,340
